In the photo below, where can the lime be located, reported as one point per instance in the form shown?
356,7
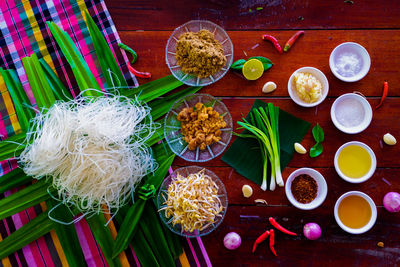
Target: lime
253,69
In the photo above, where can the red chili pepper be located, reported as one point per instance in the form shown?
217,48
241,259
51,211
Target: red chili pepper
273,40
272,241
139,74
291,41
280,227
384,94
260,239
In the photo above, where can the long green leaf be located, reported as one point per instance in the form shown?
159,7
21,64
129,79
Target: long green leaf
67,234
155,236
103,237
58,88
25,198
143,251
104,55
157,136
14,87
151,94
128,227
82,73
160,107
13,179
34,82
28,233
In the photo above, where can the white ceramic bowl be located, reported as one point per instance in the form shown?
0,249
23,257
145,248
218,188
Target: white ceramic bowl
367,113
365,177
371,222
321,194
319,75
350,48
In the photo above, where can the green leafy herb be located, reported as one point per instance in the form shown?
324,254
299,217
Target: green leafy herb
238,64
319,137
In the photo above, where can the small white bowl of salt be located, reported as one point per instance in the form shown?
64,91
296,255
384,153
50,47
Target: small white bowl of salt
351,113
349,62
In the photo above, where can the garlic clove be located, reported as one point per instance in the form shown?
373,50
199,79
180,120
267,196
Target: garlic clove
269,87
299,148
389,139
247,191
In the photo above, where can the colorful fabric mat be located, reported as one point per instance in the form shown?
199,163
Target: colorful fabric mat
23,31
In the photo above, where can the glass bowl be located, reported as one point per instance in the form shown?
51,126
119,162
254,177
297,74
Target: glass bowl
195,26
174,137
185,171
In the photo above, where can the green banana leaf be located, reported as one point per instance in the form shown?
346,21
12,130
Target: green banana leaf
28,233
18,97
105,56
57,87
161,106
67,234
103,237
25,198
13,179
82,73
12,147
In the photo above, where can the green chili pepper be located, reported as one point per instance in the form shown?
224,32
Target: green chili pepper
129,50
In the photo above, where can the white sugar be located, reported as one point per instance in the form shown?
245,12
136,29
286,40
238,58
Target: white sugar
349,112
348,64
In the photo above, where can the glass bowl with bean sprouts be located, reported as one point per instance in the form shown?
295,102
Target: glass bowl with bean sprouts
193,137
194,26
192,201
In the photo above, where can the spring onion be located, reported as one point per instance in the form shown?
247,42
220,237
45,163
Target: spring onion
263,125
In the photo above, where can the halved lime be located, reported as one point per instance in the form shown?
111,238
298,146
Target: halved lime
253,69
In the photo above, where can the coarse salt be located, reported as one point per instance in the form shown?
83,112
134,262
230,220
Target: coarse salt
350,113
348,64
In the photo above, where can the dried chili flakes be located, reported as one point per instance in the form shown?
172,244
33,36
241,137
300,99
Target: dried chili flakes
304,188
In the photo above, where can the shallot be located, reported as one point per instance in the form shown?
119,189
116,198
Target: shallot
391,202
312,231
232,241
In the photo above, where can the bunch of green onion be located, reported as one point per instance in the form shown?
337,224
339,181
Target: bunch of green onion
263,125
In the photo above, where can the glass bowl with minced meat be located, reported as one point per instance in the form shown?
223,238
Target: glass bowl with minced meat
199,53
198,127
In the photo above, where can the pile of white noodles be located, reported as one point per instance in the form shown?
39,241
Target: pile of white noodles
93,150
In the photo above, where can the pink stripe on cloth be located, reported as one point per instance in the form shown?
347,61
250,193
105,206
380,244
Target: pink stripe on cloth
81,40
92,253
3,131
90,260
193,252
41,242
134,256
203,251
21,30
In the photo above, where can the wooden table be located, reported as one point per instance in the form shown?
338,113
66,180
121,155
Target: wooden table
146,26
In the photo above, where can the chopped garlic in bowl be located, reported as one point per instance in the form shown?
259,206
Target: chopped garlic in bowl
308,87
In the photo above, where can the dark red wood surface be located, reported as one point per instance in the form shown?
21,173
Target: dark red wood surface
146,26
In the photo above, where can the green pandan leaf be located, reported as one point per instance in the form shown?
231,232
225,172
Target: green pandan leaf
58,88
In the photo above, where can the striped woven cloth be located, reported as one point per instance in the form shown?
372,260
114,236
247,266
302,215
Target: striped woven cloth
23,31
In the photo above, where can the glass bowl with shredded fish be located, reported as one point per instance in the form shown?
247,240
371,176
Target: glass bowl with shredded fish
192,201
220,35
176,140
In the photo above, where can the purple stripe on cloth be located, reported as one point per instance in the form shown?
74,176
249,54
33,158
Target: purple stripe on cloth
204,252
193,252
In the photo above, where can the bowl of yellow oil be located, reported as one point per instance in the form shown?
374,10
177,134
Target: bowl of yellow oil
355,162
355,212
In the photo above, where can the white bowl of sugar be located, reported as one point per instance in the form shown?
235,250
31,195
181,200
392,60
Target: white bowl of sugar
349,62
351,113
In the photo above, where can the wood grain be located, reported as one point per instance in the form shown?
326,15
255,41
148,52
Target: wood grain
131,15
312,49
334,248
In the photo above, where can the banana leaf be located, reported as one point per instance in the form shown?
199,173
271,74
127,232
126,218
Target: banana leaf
103,237
25,198
82,73
18,97
67,234
105,56
244,155
13,179
57,87
12,147
161,106
128,226
28,233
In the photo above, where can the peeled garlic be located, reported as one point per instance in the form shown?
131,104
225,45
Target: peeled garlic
269,87
389,139
299,148
247,190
